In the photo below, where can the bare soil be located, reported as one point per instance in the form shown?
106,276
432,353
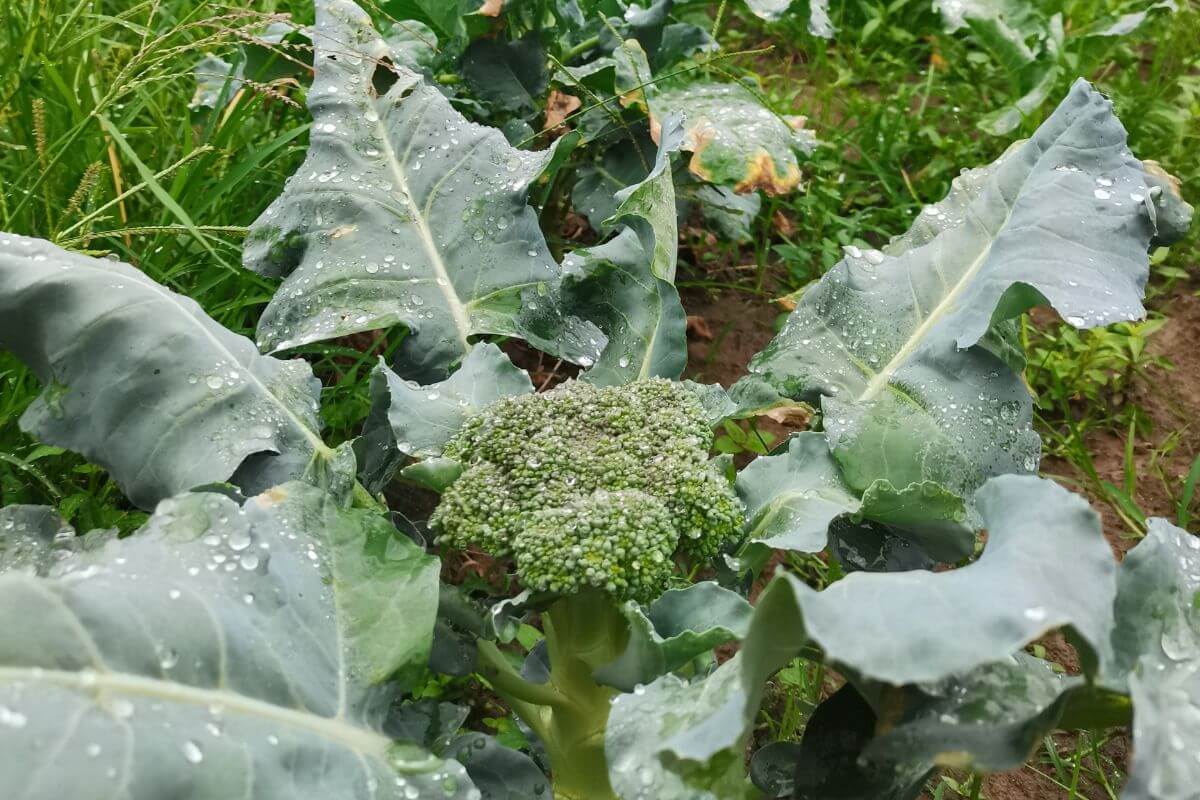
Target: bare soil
735,327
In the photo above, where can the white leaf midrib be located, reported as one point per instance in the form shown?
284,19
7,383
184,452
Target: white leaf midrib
333,729
884,375
458,311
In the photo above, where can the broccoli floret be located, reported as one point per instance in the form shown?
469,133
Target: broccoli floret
590,487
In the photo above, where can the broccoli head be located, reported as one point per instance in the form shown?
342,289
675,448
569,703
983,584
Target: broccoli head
590,487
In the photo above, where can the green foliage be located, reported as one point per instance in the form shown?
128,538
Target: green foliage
590,487
156,135
177,645
1089,373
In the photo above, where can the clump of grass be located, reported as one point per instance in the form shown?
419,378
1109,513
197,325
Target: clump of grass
100,151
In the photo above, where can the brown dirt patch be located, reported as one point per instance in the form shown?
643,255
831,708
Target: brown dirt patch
739,326
725,330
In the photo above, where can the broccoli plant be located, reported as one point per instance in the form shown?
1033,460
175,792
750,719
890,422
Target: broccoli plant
593,492
279,623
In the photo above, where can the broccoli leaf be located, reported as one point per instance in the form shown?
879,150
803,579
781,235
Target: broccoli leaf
879,341
676,628
141,381
773,768
653,733
877,627
649,205
1026,583
626,285
405,213
990,718
33,538
612,286
792,498
512,76
499,772
734,139
819,23
1155,656
414,45
622,164
728,214
219,648
423,418
262,58
216,82
444,15
830,765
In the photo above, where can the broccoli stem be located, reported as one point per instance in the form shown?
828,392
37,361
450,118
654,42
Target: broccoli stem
583,632
569,712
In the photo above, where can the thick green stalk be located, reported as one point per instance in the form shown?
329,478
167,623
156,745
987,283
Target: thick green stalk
570,712
583,632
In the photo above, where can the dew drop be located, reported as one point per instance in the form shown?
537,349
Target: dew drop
12,719
192,752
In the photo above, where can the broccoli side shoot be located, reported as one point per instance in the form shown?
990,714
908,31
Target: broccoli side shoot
590,487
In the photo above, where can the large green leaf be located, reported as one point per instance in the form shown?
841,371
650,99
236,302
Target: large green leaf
830,766
871,741
626,285
141,381
895,346
623,164
261,58
734,139
221,652
994,715
991,718
33,539
443,15
499,772
654,733
728,214
819,23
676,628
612,285
1155,657
648,206
405,213
512,76
414,45
793,497
407,419
424,418
1046,565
